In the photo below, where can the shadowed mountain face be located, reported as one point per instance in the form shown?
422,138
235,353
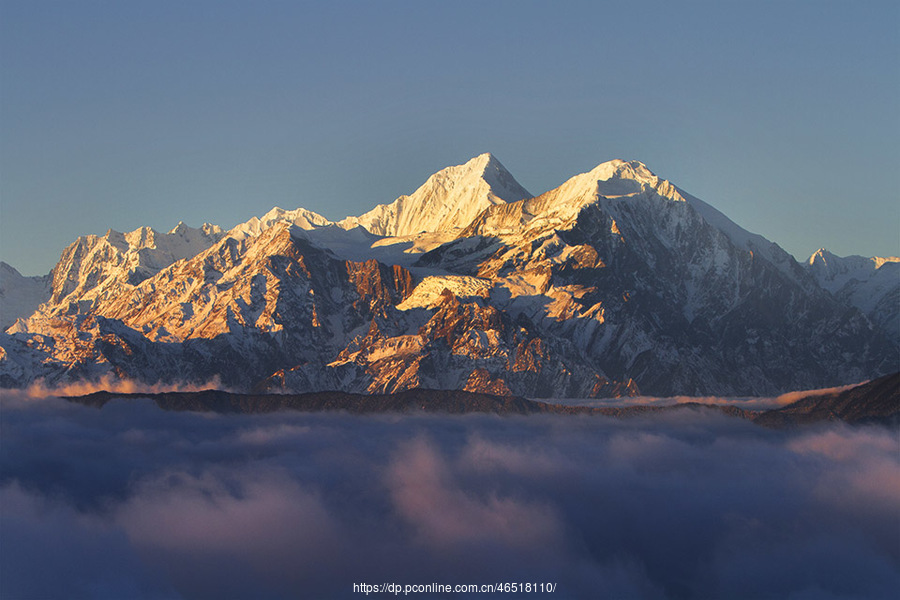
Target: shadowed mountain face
877,401
615,283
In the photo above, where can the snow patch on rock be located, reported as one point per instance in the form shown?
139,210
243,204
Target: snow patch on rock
430,291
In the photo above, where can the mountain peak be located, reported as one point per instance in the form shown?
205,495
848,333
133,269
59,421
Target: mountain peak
829,268
620,177
630,169
614,179
484,163
483,159
300,217
821,257
483,167
448,200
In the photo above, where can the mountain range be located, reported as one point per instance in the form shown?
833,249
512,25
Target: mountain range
615,283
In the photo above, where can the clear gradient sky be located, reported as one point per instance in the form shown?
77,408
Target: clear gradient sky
783,115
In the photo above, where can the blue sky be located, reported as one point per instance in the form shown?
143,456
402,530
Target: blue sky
783,115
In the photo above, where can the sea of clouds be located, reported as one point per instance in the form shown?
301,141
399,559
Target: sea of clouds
130,501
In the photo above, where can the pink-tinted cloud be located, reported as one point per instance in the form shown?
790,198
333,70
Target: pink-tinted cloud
109,383
427,495
791,397
865,467
266,522
485,456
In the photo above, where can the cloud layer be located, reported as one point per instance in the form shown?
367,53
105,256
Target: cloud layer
132,501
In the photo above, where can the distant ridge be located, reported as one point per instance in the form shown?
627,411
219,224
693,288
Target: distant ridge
409,401
876,402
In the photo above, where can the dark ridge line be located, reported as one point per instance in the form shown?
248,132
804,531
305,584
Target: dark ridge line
408,401
875,402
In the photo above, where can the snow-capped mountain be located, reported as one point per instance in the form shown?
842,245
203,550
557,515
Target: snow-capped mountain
448,200
616,282
870,284
20,296
93,265
300,217
658,288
